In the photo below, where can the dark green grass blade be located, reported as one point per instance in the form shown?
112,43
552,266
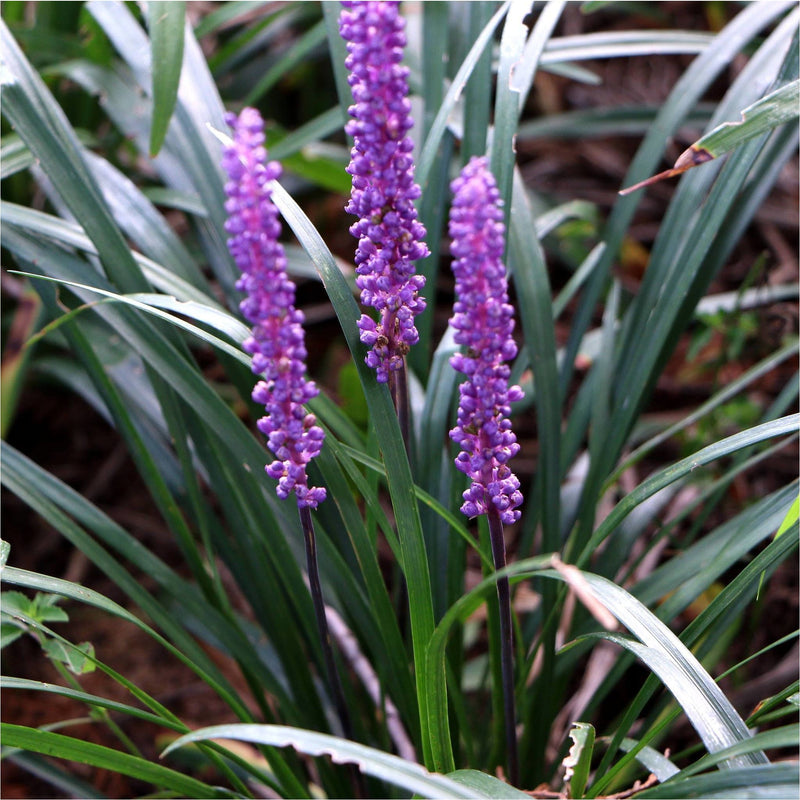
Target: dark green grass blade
532,286
304,45
52,500
55,146
432,175
771,111
338,51
781,427
776,108
166,21
93,700
41,123
675,280
682,99
373,762
433,471
45,770
536,316
733,597
432,203
712,715
190,158
60,746
786,736
230,327
726,393
46,226
24,684
162,715
393,449
506,110
458,612
48,497
611,121
776,781
477,97
144,224
429,149
487,785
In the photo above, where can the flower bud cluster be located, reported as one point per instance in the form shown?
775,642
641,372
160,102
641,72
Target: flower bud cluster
483,321
277,343
390,238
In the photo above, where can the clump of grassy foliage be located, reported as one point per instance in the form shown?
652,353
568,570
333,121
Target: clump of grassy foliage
124,304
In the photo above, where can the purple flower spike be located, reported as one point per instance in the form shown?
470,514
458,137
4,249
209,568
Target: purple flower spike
277,343
389,235
483,321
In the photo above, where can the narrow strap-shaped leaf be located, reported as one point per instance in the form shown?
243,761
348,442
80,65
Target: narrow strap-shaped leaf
435,656
66,747
439,124
502,158
432,204
401,487
195,656
48,771
338,51
707,708
166,21
190,149
162,715
733,596
711,713
390,768
776,108
47,226
524,71
786,736
543,500
611,44
487,785
652,759
724,394
764,781
450,518
41,123
768,430
297,52
387,639
532,284
478,94
683,97
579,760
25,684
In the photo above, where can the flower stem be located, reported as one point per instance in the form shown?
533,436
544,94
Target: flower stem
506,643
398,387
334,682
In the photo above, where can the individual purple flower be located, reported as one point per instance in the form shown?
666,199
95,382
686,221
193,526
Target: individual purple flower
388,232
484,321
277,343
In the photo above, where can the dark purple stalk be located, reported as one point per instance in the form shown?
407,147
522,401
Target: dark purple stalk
398,388
334,683
332,677
506,645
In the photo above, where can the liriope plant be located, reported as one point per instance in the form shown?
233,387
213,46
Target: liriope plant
372,660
